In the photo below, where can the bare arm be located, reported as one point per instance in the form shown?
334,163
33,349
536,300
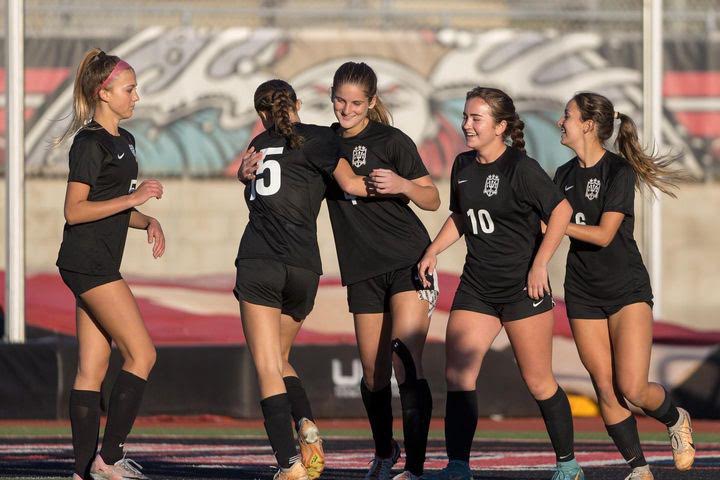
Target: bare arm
448,234
538,284
421,191
78,209
600,235
155,234
348,181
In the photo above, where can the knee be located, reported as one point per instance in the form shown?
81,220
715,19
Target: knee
141,362
540,386
151,358
90,374
459,379
635,392
605,389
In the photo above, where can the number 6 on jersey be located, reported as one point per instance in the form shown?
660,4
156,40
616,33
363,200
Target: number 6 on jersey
483,217
268,173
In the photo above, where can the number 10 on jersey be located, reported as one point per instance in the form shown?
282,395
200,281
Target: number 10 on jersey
268,175
483,218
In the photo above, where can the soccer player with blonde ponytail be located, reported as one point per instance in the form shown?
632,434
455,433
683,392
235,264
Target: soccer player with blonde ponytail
100,204
607,288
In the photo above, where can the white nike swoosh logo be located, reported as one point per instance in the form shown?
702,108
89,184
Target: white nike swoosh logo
535,304
568,188
121,156
461,181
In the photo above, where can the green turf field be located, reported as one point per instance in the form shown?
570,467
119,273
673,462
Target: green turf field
226,432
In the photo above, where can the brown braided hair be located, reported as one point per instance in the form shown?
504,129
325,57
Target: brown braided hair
650,169
94,68
503,109
360,74
277,99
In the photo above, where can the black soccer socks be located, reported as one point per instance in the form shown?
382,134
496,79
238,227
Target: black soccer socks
461,417
378,405
666,413
278,425
125,400
85,424
416,401
299,403
558,422
626,438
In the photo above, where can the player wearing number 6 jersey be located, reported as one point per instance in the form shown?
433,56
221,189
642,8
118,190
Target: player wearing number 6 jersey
607,289
498,197
285,170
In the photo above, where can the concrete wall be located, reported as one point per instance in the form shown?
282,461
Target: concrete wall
204,220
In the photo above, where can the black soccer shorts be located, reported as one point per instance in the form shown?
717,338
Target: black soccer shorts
598,312
79,283
270,283
373,295
466,298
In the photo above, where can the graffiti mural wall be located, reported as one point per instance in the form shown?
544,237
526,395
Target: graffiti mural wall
196,114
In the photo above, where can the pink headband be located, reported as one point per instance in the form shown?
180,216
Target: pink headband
119,67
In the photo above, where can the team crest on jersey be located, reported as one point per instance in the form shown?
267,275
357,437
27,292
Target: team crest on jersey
492,182
132,149
359,157
593,189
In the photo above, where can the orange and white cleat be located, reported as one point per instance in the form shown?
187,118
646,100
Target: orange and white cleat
311,449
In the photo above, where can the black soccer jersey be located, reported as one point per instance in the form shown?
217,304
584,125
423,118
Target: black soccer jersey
501,204
285,197
108,165
596,275
377,235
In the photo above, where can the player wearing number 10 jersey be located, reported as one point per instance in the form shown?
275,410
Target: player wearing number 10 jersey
498,197
278,265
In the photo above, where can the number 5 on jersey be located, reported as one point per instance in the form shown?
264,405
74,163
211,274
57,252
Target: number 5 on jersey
483,218
267,174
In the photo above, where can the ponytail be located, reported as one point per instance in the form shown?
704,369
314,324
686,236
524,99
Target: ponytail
379,113
94,69
516,133
650,169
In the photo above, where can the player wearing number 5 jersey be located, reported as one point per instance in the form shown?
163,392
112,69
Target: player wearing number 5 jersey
607,289
498,197
379,241
285,170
